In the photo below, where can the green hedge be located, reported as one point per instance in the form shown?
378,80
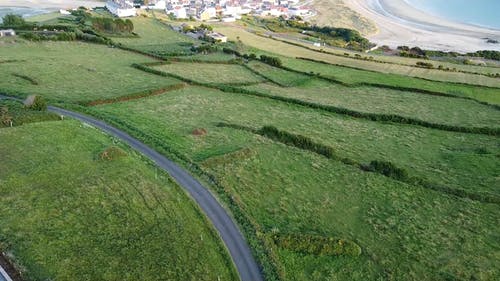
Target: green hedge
317,245
142,94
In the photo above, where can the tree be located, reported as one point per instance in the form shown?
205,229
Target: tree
13,20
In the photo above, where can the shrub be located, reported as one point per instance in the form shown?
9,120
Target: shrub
273,61
317,245
112,153
13,20
5,117
425,64
296,140
35,102
387,169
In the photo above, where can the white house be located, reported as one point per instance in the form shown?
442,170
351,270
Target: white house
7,32
179,12
121,8
218,37
157,4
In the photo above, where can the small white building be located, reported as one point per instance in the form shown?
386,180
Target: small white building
157,4
121,8
218,37
179,12
7,32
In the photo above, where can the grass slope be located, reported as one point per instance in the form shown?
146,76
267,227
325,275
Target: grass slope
401,228
157,38
69,215
73,71
442,110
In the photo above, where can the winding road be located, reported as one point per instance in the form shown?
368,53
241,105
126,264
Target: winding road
228,230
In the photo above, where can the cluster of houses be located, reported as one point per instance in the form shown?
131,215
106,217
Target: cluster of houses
205,10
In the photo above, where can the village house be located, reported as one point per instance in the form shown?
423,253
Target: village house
121,8
7,32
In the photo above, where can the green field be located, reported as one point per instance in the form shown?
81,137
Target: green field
331,203
436,109
157,38
74,72
119,219
287,50
431,213
211,73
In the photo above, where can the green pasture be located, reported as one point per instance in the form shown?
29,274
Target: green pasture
69,213
466,161
436,109
73,71
211,73
157,38
401,228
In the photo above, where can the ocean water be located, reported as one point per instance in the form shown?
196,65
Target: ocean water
22,11
478,12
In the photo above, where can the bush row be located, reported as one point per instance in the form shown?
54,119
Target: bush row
273,61
317,245
298,141
384,168
143,94
387,169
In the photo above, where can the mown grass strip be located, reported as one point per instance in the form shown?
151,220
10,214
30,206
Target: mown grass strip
135,96
393,118
385,168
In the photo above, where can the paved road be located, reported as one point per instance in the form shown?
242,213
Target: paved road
229,232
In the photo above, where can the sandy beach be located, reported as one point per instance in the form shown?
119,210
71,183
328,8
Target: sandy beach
51,4
401,24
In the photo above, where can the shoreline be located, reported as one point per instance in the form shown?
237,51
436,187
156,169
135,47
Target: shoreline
399,23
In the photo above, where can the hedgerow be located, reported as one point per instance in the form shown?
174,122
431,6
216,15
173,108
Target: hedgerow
143,94
317,245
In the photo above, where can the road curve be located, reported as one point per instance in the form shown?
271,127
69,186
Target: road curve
229,232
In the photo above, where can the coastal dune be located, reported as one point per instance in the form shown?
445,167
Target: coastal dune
401,24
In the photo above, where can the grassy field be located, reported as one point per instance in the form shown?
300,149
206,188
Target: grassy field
401,228
157,38
442,110
281,77
437,228
211,73
442,157
105,219
74,72
288,50
355,76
